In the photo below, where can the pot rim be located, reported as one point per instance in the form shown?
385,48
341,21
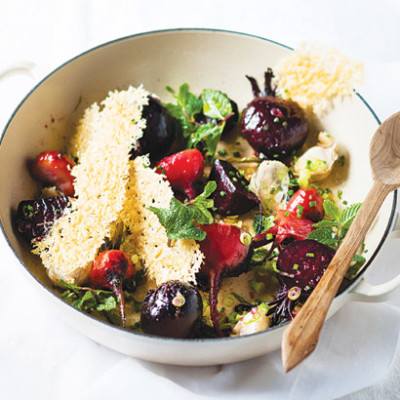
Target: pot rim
142,336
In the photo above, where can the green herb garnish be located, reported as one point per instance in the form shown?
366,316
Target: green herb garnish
181,220
213,104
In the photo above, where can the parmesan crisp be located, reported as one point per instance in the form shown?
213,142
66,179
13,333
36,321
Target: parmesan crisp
111,189
164,259
103,141
313,76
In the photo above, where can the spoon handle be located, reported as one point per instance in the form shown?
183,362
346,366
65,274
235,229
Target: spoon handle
301,336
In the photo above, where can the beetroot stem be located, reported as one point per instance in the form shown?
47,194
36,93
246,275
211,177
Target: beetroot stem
117,289
214,286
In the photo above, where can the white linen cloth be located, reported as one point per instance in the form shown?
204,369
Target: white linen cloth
42,358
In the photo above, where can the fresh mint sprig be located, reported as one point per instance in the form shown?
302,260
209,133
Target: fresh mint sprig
332,230
181,220
213,104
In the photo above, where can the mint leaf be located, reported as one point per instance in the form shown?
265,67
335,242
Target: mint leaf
348,215
186,127
188,101
215,104
325,236
206,137
178,221
181,220
331,210
201,204
326,223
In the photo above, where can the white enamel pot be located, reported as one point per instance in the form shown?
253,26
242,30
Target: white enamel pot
204,58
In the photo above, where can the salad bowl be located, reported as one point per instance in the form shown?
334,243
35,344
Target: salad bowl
46,118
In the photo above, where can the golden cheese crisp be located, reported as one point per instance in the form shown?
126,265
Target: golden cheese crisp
165,259
313,76
103,140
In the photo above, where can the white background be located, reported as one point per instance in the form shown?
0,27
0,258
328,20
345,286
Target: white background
41,357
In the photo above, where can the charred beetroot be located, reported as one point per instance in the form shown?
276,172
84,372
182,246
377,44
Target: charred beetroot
36,217
273,126
108,270
159,132
171,310
55,168
227,252
232,195
182,170
300,266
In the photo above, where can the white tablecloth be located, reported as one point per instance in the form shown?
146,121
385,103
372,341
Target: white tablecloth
42,358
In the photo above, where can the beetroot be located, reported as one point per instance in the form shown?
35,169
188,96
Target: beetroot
108,270
159,132
273,126
232,195
55,168
287,225
300,266
182,170
36,217
227,252
171,310
307,202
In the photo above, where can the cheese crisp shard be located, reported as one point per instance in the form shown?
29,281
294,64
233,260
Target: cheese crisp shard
314,76
164,259
103,141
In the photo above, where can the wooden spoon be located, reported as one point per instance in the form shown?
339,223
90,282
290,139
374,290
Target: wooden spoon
301,336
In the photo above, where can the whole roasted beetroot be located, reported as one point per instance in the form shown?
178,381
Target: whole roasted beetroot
227,252
273,126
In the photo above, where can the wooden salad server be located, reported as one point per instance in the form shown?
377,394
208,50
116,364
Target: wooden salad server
301,336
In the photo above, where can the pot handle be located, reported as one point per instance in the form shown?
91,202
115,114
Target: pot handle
364,291
22,67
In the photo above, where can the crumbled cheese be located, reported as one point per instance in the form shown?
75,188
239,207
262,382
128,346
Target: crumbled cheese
314,76
102,142
164,259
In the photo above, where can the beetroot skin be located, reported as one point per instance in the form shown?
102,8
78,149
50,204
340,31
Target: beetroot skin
300,267
302,264
232,195
273,126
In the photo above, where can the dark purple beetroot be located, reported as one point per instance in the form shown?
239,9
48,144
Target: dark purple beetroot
159,132
232,195
273,126
227,252
300,267
35,217
230,122
302,264
171,310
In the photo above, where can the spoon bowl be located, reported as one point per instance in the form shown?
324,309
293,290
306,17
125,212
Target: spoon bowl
384,152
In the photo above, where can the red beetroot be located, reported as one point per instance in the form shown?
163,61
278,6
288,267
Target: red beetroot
227,252
307,202
302,264
108,270
182,170
287,225
55,168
